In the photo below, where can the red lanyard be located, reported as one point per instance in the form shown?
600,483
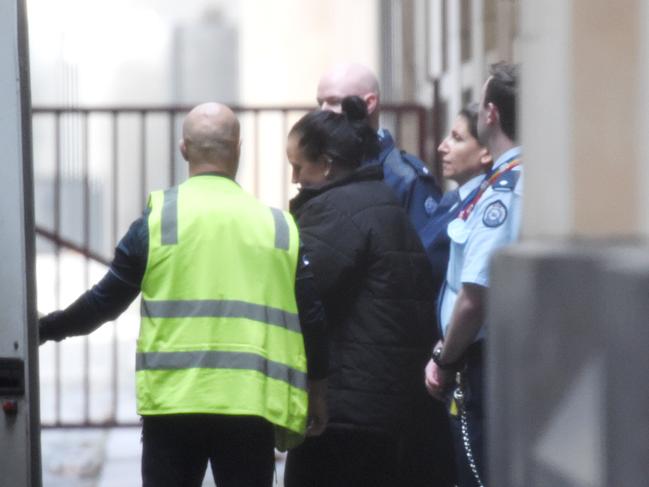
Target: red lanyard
488,181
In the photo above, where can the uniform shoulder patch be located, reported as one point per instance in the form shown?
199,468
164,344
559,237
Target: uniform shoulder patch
416,164
495,214
395,164
506,182
429,205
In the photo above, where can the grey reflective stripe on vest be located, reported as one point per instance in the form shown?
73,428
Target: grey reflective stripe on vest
219,309
210,359
282,234
169,220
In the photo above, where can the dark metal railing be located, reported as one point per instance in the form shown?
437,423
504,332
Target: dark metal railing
73,194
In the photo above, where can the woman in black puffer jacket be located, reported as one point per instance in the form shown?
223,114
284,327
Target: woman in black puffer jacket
376,285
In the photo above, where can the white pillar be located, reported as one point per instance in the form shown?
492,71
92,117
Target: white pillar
546,118
452,87
435,33
478,46
584,119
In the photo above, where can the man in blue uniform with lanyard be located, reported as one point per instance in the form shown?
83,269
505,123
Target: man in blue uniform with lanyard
416,189
489,218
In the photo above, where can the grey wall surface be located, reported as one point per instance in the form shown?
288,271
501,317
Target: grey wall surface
567,398
626,320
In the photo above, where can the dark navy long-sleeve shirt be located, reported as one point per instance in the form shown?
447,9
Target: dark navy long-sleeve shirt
418,193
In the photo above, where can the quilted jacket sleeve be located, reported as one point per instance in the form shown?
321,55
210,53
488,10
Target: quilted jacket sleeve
336,246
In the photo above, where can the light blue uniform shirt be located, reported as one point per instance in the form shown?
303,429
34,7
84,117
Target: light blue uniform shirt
493,223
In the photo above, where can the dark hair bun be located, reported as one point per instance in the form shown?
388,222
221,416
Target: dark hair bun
354,108
346,138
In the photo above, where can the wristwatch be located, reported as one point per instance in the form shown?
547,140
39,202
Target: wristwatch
436,355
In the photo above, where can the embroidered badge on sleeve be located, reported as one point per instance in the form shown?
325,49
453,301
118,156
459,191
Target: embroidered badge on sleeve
495,214
429,205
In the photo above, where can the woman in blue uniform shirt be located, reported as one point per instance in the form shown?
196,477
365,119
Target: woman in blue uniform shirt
465,162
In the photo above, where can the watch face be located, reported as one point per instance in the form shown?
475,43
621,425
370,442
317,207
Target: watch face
437,353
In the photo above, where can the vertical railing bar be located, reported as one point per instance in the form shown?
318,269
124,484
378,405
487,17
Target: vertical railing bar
436,129
397,127
57,260
114,202
172,147
255,163
423,131
143,154
283,160
86,246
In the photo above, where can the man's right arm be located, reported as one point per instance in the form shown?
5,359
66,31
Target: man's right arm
110,297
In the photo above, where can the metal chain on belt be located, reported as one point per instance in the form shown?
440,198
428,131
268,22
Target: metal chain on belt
458,395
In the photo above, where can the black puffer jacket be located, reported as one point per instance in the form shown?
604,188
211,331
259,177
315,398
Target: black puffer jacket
376,284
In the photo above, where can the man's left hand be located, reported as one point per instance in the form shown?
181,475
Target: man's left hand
318,413
438,381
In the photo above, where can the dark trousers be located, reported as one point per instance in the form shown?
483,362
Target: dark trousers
474,393
426,453
177,448
343,458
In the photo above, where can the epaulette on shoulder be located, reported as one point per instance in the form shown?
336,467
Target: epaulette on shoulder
506,182
416,164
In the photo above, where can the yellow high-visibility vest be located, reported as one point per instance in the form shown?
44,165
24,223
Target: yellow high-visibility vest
219,331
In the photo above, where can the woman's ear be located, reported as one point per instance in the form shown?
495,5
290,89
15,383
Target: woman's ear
493,115
324,163
327,163
485,158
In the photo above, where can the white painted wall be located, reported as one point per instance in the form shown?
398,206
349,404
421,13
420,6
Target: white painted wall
584,120
547,118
